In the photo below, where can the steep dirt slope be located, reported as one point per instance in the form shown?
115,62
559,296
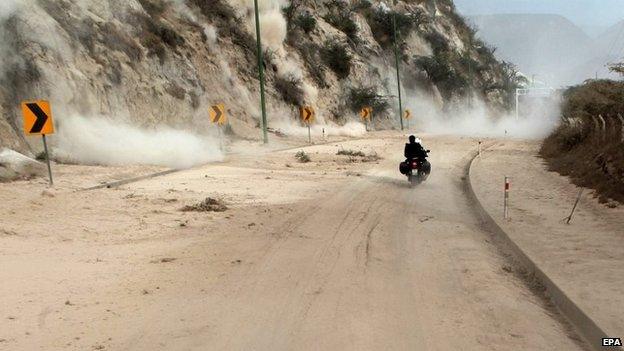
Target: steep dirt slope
160,62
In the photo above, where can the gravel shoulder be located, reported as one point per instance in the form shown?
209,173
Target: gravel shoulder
583,258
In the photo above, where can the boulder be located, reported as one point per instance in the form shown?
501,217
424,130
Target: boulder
14,165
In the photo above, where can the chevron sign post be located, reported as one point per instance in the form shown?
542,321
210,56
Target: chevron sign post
367,114
38,121
307,116
218,117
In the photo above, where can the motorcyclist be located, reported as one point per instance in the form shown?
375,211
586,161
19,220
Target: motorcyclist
414,149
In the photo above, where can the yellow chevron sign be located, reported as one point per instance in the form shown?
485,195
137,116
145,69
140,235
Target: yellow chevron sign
407,114
366,113
37,117
307,114
217,114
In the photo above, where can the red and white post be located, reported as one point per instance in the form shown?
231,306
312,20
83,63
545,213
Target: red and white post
506,203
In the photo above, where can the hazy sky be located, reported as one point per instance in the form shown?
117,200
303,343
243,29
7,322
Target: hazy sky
601,13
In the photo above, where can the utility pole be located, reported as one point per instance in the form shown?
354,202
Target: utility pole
470,70
396,57
517,104
261,75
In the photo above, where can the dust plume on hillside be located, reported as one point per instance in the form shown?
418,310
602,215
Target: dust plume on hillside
102,141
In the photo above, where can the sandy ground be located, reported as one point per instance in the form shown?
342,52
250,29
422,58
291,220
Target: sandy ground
584,258
335,254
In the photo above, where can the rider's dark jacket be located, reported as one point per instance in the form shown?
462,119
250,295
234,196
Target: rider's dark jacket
414,151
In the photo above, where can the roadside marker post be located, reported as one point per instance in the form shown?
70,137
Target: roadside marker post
479,149
38,121
506,202
307,116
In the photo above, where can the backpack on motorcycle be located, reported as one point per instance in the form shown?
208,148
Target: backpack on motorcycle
426,167
404,168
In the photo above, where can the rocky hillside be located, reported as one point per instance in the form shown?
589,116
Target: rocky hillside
161,62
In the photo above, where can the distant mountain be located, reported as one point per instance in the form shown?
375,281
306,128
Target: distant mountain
549,46
611,41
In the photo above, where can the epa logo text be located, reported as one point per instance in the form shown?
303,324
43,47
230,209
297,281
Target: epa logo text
611,342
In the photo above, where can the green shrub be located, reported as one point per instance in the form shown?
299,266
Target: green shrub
302,157
353,153
367,97
443,75
362,5
382,24
224,16
310,53
486,52
438,42
291,89
306,22
154,8
216,9
595,97
336,57
340,16
154,47
568,137
156,35
617,68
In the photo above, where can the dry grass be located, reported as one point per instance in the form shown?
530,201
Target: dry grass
208,205
582,152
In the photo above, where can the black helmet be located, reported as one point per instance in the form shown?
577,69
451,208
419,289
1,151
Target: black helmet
412,139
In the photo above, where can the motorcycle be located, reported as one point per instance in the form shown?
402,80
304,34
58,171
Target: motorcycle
417,170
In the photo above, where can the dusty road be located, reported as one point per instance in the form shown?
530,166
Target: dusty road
331,255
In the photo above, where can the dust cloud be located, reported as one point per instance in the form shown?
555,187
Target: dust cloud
472,118
349,129
102,141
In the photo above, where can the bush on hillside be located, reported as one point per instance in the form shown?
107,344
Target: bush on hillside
311,54
440,71
306,22
580,150
360,97
290,88
154,8
337,58
156,35
339,15
382,26
596,97
439,44
228,21
154,46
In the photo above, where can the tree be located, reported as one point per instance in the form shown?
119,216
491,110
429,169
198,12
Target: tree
617,68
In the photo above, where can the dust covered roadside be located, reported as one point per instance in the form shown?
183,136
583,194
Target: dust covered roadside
86,250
